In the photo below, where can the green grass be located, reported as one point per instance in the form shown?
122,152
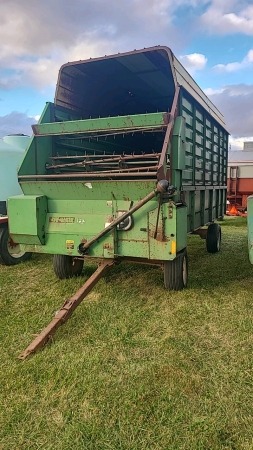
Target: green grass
136,367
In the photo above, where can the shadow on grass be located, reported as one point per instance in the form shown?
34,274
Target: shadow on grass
206,271
233,221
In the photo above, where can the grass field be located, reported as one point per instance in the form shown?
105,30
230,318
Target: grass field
136,367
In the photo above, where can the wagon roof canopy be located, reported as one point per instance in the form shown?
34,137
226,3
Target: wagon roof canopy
127,83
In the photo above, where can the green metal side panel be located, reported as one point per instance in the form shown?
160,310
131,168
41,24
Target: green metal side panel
178,154
102,124
205,175
206,146
178,144
27,215
250,226
38,150
172,234
181,227
64,227
59,192
204,206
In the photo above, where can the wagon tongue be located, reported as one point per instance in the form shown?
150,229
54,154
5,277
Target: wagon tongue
66,310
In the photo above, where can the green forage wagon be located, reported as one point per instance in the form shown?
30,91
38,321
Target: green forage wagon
129,159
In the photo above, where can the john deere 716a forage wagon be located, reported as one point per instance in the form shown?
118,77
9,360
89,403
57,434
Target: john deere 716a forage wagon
130,157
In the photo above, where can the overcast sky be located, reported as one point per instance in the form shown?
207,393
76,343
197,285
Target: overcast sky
212,38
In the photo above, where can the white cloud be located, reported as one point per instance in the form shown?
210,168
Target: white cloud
230,16
40,72
8,82
230,67
235,102
16,122
250,56
211,91
235,66
238,143
38,38
60,23
193,62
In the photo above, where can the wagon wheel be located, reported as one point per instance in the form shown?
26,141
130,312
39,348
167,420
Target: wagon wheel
10,253
176,272
213,238
66,266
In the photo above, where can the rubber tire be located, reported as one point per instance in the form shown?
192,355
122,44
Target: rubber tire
176,272
66,266
5,257
213,238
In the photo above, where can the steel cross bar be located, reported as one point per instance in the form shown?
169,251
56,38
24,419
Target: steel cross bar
135,122
66,310
90,162
89,175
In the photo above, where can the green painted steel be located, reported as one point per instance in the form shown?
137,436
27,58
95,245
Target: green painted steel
28,218
155,120
63,233
206,146
79,174
206,156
